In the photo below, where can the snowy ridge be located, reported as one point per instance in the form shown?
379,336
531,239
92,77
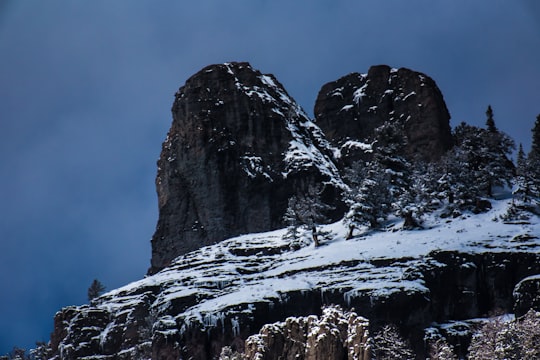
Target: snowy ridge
224,281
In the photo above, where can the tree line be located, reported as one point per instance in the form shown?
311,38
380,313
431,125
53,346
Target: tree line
390,183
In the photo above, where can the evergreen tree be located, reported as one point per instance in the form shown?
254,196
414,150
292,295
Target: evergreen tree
527,184
306,210
486,156
450,182
517,339
292,219
95,289
369,199
521,161
441,350
533,163
389,345
390,155
535,147
498,169
490,122
523,181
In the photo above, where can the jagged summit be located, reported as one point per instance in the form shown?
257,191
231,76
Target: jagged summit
240,146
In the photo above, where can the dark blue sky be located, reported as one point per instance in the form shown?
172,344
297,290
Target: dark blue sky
86,90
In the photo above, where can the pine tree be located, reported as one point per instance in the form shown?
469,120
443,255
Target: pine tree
390,155
516,339
369,199
498,169
95,289
527,182
487,156
523,183
389,345
533,163
441,350
484,342
535,147
306,210
490,123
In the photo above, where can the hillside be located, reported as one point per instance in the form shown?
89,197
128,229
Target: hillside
376,206
219,294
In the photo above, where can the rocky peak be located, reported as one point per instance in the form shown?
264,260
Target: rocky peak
352,107
238,148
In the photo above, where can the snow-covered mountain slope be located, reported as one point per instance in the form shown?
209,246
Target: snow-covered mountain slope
219,294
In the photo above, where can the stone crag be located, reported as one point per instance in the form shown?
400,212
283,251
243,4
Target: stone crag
240,146
335,335
352,107
228,164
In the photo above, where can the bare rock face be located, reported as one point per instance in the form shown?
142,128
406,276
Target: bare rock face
335,335
527,295
352,107
238,148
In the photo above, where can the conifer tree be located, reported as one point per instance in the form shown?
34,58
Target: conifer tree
390,156
95,289
306,210
527,182
535,147
533,161
523,184
487,155
528,172
369,200
521,161
441,350
490,122
389,345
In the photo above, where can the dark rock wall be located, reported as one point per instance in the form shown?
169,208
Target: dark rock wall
458,285
239,147
220,173
352,107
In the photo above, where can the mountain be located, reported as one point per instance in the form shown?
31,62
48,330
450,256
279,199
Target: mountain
224,267
239,147
221,294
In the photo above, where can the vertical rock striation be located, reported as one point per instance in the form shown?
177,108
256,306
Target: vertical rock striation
238,148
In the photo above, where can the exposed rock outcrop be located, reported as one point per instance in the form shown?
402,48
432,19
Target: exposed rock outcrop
336,335
527,295
352,107
238,148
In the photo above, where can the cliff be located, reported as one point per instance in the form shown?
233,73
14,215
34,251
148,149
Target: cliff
223,269
239,147
220,295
